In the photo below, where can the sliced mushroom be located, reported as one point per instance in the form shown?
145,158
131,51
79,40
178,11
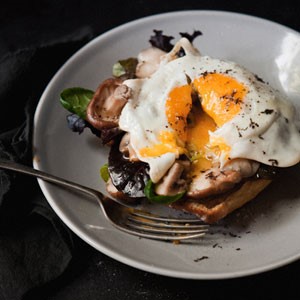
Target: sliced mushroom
173,182
182,45
109,99
148,61
246,167
126,148
213,182
216,181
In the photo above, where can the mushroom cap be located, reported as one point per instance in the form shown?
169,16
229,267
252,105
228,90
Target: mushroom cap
107,103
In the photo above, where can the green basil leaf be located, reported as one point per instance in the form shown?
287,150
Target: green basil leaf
104,172
125,67
76,100
150,194
118,70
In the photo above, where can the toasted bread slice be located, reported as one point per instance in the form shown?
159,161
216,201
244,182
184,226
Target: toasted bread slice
216,208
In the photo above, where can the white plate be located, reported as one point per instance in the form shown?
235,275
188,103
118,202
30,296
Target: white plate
261,236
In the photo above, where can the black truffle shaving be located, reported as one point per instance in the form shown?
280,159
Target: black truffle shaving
259,78
128,177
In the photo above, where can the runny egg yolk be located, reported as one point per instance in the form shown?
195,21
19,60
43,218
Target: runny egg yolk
178,106
198,140
167,143
189,125
221,96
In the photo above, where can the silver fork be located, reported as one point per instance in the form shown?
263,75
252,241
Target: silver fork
122,215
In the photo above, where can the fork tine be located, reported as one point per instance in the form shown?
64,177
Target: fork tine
170,238
148,228
163,237
166,237
164,224
149,216
160,228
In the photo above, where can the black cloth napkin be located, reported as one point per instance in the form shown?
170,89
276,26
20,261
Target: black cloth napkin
35,246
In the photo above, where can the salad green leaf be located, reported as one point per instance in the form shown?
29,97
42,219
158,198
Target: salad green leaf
125,67
150,194
104,172
76,100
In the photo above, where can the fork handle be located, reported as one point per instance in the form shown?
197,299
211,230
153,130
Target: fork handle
13,166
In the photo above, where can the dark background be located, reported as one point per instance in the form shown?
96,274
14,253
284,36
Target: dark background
39,257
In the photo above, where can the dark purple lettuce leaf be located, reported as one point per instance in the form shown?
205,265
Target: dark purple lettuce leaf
128,177
77,124
108,135
192,36
161,41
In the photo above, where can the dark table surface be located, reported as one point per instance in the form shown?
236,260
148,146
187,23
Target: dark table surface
35,26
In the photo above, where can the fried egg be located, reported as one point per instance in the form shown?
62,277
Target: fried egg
210,110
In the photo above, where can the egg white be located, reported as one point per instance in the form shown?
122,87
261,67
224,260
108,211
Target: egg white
264,130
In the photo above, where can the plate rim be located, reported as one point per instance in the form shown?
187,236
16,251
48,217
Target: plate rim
71,225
